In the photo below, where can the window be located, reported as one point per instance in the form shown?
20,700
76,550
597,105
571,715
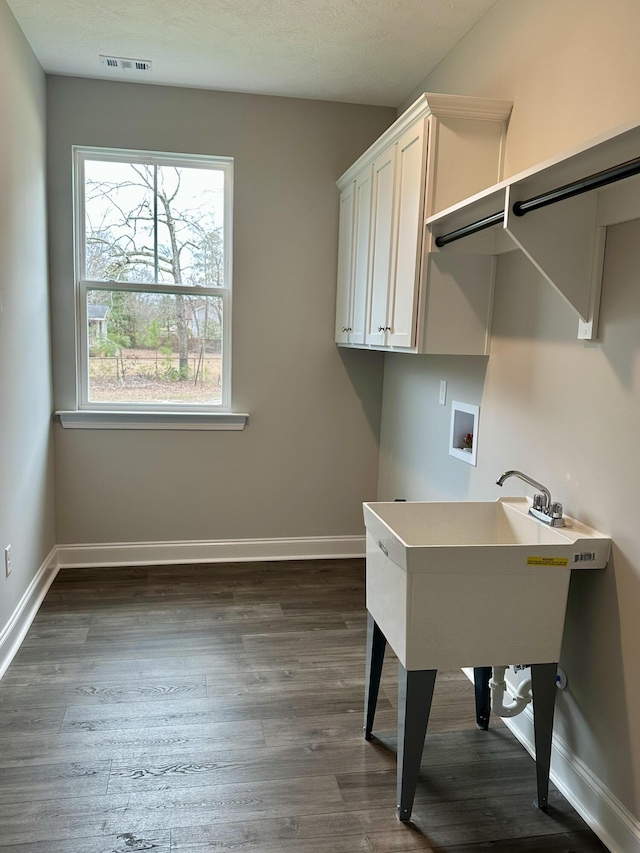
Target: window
153,269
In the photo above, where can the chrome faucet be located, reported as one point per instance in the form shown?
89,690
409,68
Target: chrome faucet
543,507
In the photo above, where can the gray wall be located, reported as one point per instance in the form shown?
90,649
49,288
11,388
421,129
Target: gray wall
26,457
563,411
309,455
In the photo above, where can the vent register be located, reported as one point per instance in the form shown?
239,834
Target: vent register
121,63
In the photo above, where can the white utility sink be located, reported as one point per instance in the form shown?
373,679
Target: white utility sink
454,584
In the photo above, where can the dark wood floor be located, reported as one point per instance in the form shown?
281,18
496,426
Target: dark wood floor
219,708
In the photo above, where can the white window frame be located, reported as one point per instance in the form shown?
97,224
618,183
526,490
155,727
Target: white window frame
82,284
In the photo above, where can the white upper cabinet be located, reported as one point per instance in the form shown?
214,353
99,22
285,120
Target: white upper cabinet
389,295
354,259
381,244
345,264
362,226
404,279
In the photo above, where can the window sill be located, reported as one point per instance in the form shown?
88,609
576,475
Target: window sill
152,420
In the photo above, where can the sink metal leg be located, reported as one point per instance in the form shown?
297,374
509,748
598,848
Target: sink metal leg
376,644
415,692
543,686
481,678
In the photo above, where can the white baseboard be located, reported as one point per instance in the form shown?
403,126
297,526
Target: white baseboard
612,822
221,551
609,819
15,630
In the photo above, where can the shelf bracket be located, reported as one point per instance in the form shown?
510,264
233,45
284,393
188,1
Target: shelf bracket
566,244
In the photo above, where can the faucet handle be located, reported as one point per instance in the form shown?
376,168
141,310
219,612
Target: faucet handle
556,510
540,502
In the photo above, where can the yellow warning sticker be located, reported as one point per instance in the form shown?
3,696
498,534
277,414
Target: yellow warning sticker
547,561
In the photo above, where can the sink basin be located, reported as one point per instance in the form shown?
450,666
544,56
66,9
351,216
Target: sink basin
483,583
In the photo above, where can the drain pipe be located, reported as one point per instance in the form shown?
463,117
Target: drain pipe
498,687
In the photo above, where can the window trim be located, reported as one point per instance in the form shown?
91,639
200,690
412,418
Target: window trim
82,284
121,419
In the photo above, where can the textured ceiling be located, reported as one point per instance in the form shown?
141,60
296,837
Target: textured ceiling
360,51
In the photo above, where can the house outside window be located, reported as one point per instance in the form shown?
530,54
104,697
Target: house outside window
97,324
153,270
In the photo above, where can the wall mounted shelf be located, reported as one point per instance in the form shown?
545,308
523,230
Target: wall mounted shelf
565,241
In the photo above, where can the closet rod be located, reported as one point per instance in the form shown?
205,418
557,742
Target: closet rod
473,228
520,208
584,185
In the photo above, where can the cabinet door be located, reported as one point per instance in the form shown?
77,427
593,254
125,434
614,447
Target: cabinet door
384,169
344,293
404,281
361,243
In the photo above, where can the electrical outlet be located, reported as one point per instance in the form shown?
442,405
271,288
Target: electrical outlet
7,560
442,399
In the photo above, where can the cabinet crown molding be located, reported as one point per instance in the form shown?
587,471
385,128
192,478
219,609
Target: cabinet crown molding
427,104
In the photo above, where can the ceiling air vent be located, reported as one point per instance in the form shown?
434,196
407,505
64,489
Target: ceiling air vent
120,63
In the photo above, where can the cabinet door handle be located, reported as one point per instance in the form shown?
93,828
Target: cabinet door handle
381,328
